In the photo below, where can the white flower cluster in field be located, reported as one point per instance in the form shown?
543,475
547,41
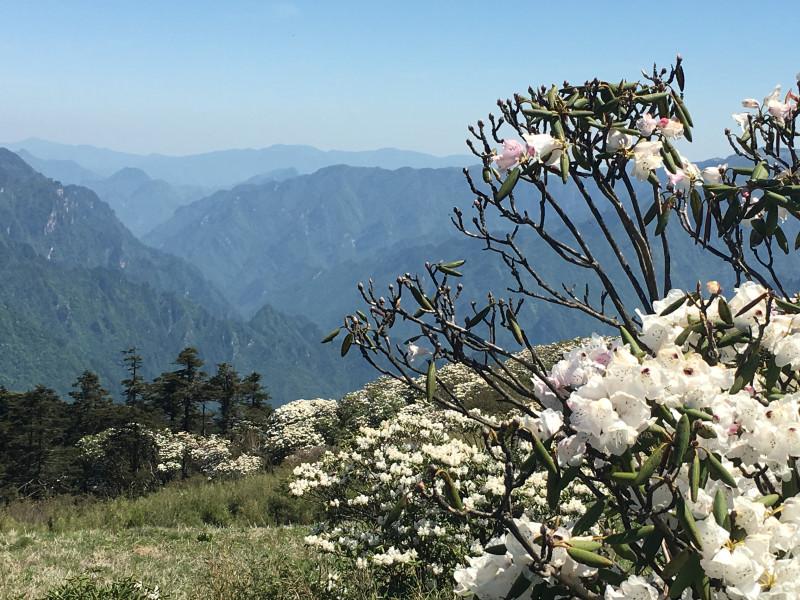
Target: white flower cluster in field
174,452
745,524
379,492
376,401
300,425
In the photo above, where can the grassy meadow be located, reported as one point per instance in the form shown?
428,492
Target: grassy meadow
194,540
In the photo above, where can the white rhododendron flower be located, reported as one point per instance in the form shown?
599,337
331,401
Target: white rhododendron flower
544,147
646,124
670,128
647,157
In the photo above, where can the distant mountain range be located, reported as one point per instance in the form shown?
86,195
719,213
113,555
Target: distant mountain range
226,168
78,288
302,245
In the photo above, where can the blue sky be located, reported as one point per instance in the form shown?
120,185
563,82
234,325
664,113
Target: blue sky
180,77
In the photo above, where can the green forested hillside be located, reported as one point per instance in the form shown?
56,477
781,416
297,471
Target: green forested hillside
77,288
72,226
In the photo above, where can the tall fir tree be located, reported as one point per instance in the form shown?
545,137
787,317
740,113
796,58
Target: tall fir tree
225,388
133,385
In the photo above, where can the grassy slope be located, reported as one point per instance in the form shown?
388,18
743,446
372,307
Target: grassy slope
196,540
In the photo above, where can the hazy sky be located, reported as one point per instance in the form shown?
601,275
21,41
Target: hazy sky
180,77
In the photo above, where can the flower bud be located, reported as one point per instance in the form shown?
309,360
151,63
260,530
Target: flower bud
713,287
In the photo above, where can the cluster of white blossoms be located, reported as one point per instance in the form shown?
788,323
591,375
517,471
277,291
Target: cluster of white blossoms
173,453
300,425
708,451
379,493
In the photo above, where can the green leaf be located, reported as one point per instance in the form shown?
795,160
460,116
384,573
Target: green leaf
514,326
449,271
585,557
589,518
724,311
625,551
346,343
720,507
694,477
564,167
721,472
760,172
587,544
629,339
780,238
650,465
430,382
544,455
631,535
508,185
686,519
553,490
672,307
788,307
330,337
769,499
478,317
496,549
421,299
453,264
450,491
682,434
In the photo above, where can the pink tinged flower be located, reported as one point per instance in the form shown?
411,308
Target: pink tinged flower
512,151
680,181
670,128
750,103
646,124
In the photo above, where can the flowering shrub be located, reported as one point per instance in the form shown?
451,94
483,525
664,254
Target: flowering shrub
159,456
300,425
684,432
378,491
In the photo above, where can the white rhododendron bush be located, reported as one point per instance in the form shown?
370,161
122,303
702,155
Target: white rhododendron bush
379,490
300,425
118,455
661,463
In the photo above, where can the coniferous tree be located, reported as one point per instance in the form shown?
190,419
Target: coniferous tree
92,409
133,385
35,422
225,388
254,398
191,385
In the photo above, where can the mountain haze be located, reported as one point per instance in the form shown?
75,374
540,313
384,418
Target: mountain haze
226,168
78,288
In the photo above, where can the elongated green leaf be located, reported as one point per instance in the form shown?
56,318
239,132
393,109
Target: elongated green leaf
588,558
631,535
720,507
543,455
650,465
682,434
508,185
589,518
346,343
430,381
686,519
719,471
478,317
331,336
